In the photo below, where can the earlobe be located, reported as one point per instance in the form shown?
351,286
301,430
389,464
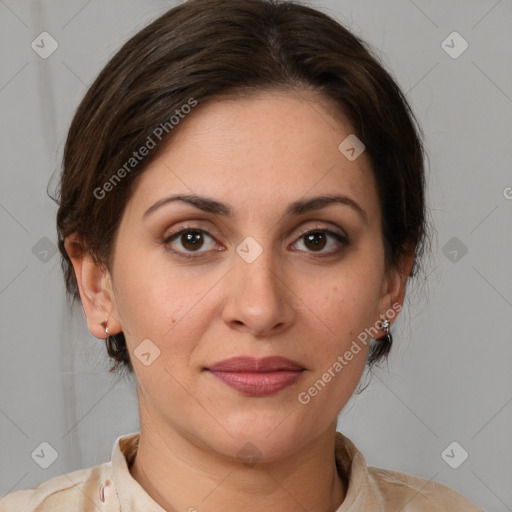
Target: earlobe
394,287
95,290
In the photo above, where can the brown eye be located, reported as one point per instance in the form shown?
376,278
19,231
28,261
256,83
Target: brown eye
315,241
192,240
322,241
189,241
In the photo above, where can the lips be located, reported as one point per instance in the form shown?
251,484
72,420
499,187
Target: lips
257,376
253,364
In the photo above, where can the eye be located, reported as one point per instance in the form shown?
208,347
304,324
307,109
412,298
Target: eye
190,240
321,241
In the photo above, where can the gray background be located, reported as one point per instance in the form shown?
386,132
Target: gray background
449,376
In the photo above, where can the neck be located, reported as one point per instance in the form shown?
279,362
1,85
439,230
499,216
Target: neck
180,474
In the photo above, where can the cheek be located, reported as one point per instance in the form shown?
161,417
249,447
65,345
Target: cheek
339,308
344,302
339,353
163,303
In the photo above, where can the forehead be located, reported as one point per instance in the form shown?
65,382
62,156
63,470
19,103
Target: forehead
266,149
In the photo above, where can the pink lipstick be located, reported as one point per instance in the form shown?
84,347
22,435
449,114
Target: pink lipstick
257,376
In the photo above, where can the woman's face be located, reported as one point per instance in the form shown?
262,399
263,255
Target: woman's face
274,250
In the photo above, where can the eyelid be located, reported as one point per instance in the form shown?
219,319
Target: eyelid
169,237
191,225
327,227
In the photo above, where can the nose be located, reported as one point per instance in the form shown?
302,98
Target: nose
258,299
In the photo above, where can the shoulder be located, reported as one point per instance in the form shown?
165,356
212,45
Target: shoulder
77,490
410,493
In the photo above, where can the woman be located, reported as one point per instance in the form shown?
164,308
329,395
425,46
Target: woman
241,206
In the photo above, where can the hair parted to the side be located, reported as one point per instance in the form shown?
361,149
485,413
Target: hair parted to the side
207,49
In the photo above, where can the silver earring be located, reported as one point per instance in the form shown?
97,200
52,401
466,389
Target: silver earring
387,332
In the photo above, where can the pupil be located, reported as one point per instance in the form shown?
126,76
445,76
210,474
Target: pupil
315,241
192,240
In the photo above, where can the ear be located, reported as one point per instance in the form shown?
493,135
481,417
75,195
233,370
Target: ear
95,287
393,288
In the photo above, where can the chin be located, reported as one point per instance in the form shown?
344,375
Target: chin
257,439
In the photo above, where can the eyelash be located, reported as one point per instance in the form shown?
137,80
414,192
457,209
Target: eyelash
341,239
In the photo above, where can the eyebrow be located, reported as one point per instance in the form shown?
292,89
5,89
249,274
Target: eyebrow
202,203
317,203
299,207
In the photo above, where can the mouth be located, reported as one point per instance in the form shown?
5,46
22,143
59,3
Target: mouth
257,376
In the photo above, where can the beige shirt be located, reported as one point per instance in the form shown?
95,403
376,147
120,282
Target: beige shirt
110,487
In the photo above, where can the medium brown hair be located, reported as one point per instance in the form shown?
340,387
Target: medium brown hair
202,50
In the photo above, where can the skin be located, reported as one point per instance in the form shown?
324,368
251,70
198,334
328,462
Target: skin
257,155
